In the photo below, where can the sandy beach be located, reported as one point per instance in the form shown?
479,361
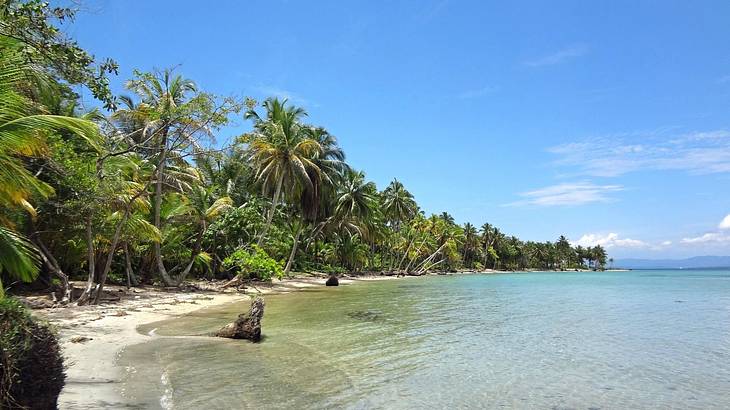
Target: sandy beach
92,337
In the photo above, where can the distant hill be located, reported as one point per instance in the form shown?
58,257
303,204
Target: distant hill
689,263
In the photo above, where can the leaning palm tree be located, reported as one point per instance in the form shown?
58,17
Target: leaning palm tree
23,127
204,209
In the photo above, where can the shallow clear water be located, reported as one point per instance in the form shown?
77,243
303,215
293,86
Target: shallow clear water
642,339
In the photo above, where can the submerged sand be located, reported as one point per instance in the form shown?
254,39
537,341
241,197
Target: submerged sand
92,337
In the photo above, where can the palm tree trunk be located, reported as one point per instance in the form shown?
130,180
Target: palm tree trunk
110,257
159,175
405,254
131,280
430,257
90,260
272,210
418,252
290,262
196,251
52,265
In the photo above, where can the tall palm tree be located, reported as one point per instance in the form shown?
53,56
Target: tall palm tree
398,204
283,154
162,111
356,197
470,243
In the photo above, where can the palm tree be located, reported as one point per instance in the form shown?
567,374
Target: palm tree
204,209
489,235
283,154
470,243
169,126
398,204
23,127
355,197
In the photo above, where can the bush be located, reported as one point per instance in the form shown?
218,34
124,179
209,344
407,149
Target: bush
254,263
31,365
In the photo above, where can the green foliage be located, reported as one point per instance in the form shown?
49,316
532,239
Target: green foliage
31,365
31,22
254,263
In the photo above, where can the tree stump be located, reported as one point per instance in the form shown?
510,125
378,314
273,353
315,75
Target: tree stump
247,325
332,281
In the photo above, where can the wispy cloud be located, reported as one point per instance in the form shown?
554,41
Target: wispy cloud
294,98
724,79
559,56
476,93
568,194
710,237
608,156
721,236
610,240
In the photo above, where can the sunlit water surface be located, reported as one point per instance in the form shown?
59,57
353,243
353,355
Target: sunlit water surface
642,339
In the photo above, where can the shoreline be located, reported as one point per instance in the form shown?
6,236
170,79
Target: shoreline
92,337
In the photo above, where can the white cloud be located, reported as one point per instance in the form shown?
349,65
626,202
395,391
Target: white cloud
697,153
710,237
578,193
611,240
666,243
559,56
725,223
476,93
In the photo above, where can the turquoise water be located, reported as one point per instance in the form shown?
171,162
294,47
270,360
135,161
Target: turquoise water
615,340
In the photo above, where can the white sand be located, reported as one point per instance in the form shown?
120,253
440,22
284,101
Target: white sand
93,377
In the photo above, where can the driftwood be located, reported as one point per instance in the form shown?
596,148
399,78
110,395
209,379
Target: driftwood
247,325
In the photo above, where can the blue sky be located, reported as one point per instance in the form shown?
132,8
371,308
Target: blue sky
604,121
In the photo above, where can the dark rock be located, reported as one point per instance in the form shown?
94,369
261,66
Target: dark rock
332,281
247,326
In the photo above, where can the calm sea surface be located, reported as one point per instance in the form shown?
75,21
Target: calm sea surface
618,340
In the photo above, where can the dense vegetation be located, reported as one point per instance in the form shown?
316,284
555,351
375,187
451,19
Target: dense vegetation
31,365
141,192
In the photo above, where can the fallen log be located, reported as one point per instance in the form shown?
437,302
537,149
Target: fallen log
247,325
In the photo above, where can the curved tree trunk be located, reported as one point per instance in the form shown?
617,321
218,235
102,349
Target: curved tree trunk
290,262
272,210
196,251
52,265
110,257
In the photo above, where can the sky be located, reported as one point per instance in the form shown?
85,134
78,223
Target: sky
606,122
